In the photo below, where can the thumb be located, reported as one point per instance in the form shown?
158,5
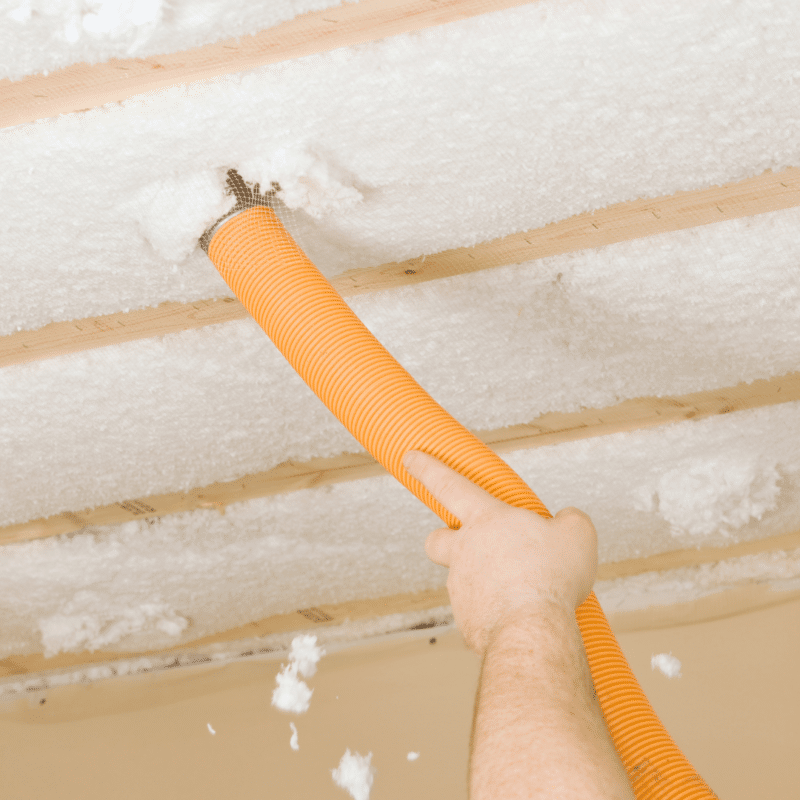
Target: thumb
438,546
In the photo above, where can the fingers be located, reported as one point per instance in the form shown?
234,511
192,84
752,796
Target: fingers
578,520
438,545
581,532
572,510
459,495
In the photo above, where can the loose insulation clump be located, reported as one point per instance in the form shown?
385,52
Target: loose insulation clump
293,694
354,773
667,664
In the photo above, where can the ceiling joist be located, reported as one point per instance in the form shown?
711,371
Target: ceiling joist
620,222
81,87
548,429
743,599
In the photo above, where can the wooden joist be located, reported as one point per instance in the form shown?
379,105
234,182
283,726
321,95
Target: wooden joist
743,599
620,222
81,87
551,428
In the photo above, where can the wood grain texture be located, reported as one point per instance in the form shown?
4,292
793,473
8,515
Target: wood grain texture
300,621
548,429
81,87
620,222
62,338
740,600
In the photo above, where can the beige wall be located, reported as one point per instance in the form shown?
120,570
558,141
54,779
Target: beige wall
734,712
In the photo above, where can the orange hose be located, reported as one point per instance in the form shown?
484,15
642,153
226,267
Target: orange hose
390,413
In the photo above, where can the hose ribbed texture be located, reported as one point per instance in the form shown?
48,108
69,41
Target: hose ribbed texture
374,397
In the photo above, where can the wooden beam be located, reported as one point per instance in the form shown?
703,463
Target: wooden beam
741,600
300,620
62,338
620,222
81,87
551,428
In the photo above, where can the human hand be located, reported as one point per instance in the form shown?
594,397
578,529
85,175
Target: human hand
504,561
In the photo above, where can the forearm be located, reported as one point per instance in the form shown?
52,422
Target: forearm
538,730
